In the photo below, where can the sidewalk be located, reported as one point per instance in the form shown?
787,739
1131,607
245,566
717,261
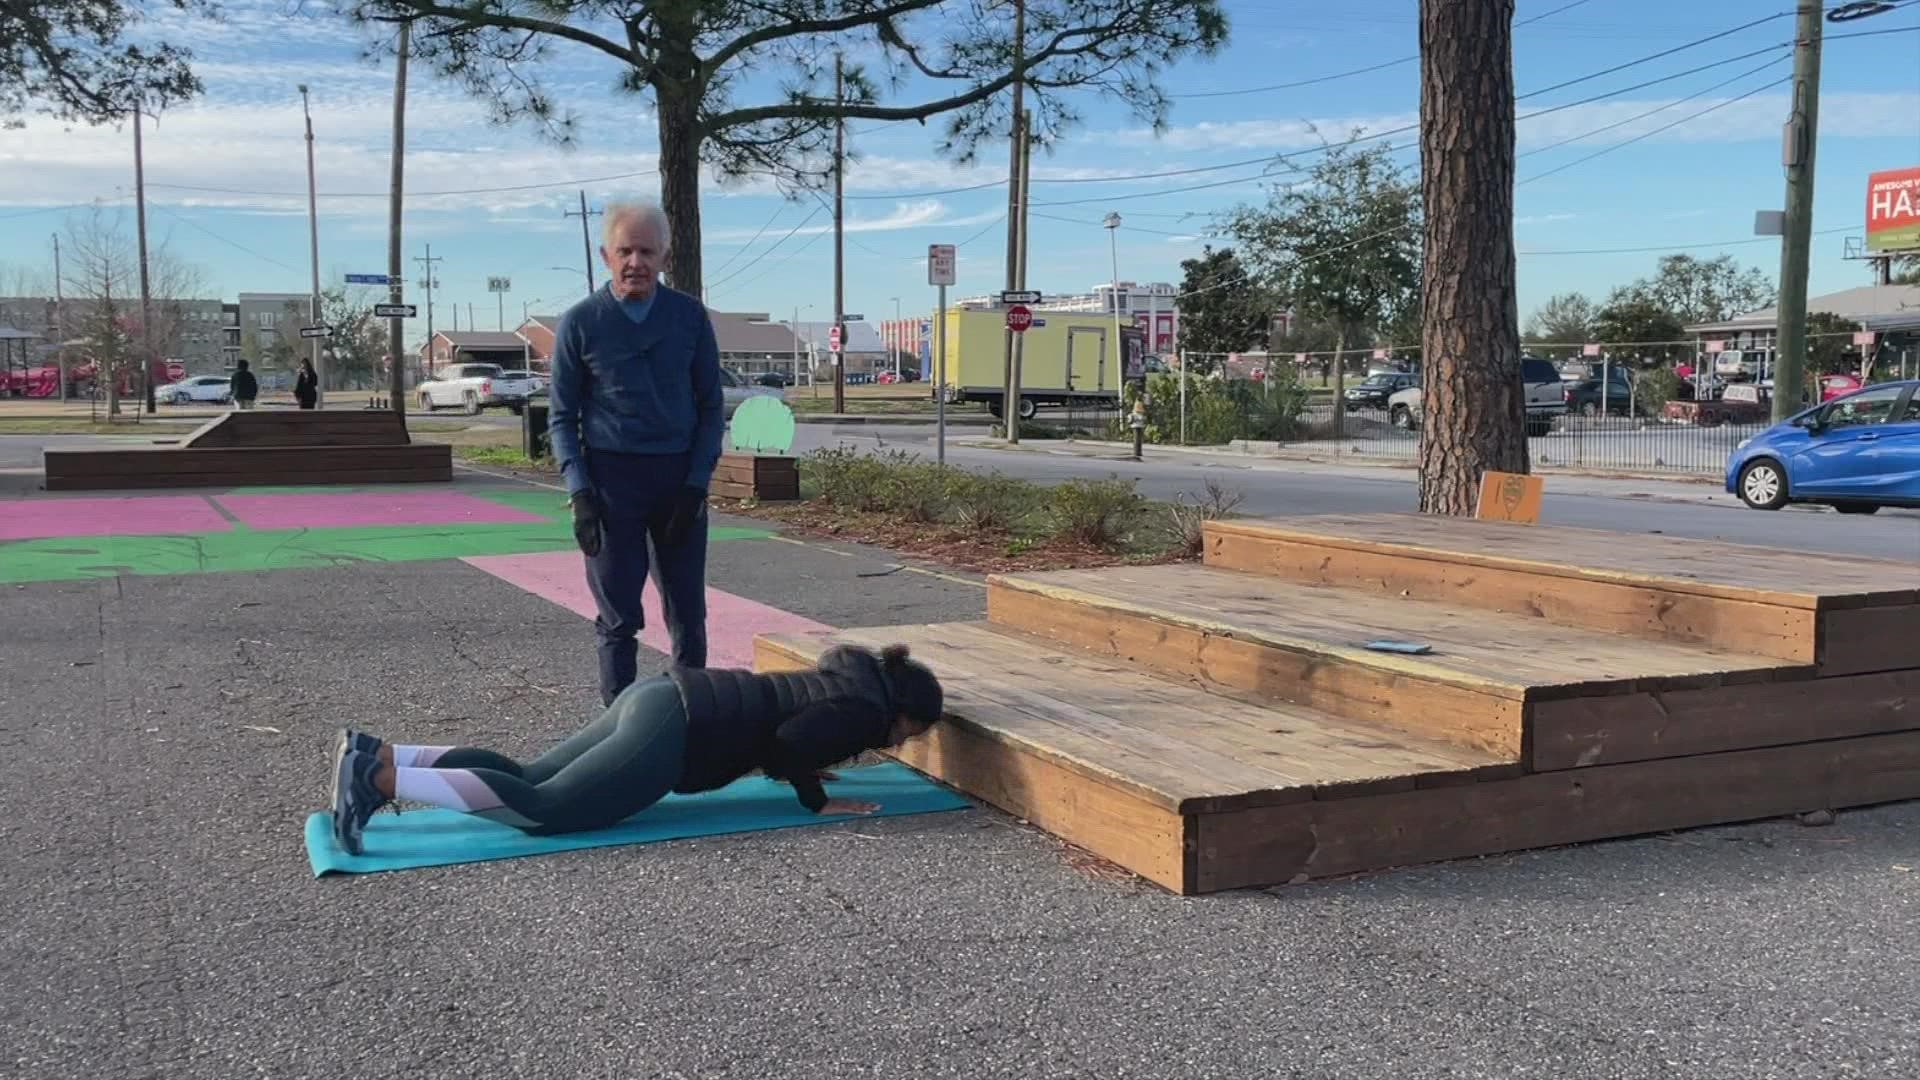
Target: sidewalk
1684,488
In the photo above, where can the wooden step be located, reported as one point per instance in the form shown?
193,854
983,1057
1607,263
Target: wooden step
1844,615
1492,682
1201,792
1120,762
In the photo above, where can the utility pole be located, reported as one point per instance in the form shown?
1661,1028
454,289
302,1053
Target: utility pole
430,282
1020,277
146,295
313,230
839,237
396,263
59,322
1802,132
586,238
1009,407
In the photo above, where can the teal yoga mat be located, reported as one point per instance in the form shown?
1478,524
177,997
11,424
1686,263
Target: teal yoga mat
436,837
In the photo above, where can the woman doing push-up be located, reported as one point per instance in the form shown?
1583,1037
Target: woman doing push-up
687,731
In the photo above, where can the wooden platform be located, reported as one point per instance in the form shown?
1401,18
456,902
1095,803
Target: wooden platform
254,447
1210,727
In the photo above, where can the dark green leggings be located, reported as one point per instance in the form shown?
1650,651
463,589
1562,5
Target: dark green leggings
619,765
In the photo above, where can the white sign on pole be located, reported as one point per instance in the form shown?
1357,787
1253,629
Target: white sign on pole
941,264
1863,337
1590,349
1716,346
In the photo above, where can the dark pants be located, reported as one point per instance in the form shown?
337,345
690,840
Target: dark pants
619,765
637,495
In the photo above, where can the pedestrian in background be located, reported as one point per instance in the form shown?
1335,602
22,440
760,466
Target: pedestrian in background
243,387
635,419
306,386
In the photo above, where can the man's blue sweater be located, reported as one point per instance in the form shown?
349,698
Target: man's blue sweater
651,387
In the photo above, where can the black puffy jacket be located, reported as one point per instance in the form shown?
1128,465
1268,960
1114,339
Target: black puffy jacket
786,724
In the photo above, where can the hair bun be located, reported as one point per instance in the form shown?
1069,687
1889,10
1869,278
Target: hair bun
893,654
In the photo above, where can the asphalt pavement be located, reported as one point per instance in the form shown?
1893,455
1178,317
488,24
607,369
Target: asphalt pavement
167,735
1285,488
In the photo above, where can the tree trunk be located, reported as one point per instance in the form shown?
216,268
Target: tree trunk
680,140
1475,403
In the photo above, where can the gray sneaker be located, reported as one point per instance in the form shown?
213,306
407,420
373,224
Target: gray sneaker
355,798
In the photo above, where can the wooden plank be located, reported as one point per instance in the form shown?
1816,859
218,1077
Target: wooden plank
1280,844
1676,564
212,433
1510,497
1855,640
1489,718
1179,747
1759,628
1585,732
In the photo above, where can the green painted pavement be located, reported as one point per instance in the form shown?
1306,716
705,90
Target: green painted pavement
244,549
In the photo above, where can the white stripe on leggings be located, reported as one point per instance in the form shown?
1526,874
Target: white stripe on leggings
454,789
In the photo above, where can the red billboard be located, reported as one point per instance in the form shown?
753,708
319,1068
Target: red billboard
1893,210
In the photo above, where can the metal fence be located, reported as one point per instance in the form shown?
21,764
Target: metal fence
1245,416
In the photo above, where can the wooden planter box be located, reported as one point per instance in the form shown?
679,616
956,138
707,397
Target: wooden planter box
765,477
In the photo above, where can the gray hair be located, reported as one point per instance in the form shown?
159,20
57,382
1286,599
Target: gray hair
616,212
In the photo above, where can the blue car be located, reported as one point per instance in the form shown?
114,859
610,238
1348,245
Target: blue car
1856,453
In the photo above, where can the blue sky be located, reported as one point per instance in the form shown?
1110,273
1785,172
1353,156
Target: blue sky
1687,188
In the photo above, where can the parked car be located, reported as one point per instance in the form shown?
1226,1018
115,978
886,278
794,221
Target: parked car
1589,396
469,386
1856,453
776,379
1833,386
1546,400
737,390
514,388
1377,389
197,388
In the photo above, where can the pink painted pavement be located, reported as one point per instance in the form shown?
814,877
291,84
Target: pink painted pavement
334,510
732,621
141,515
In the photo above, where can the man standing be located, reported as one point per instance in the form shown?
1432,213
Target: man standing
635,418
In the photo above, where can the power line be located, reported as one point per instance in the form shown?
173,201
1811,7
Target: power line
1356,71
1656,131
190,223
777,211
1677,247
770,250
1656,109
1658,55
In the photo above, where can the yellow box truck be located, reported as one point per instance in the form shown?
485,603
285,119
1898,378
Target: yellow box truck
1069,358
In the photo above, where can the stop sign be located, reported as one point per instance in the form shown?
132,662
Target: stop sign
1019,318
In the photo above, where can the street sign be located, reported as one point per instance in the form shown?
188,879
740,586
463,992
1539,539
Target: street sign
1590,349
316,331
369,279
853,318
833,339
1019,318
395,311
940,264
499,284
1019,296
1863,337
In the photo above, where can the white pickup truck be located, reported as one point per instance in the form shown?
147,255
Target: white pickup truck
474,387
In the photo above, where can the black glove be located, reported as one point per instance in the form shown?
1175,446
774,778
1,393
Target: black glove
689,510
588,528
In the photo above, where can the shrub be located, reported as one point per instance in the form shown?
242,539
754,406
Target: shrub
1094,512
1654,388
1190,515
987,502
1218,410
914,489
846,477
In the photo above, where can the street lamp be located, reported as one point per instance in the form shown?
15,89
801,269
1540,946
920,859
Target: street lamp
1112,223
898,337
313,229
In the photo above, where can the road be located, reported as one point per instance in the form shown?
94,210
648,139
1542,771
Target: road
1273,488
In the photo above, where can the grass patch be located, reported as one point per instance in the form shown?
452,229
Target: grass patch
503,457
987,522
